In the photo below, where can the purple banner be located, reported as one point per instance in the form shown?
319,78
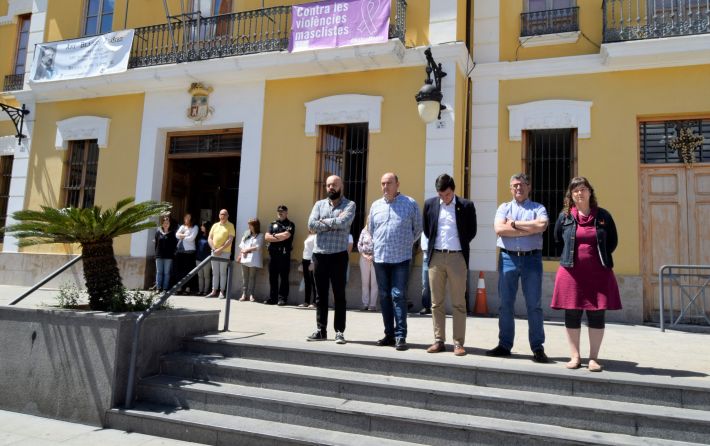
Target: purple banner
334,23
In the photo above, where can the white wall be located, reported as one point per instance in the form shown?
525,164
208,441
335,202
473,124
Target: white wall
235,105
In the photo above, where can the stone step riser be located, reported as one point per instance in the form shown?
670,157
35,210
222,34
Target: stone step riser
467,374
343,420
573,417
196,434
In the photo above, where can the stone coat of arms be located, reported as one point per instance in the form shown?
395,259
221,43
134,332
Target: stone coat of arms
200,109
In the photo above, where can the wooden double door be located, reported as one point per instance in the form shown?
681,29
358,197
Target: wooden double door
675,223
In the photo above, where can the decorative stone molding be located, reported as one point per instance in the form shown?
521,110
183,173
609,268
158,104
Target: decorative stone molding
344,109
82,127
550,114
549,39
14,9
7,145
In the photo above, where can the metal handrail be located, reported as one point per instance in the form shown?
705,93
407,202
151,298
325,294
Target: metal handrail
549,21
691,300
142,317
193,38
46,279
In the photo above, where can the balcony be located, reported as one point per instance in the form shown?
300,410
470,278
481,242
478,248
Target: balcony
626,20
194,38
13,82
551,21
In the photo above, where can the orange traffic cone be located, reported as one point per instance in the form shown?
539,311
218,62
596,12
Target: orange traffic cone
481,307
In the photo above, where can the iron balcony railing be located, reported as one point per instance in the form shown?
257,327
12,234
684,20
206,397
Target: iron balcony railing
192,38
551,21
651,19
13,82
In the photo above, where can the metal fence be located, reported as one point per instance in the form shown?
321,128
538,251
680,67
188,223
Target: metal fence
192,37
551,21
691,283
651,19
13,82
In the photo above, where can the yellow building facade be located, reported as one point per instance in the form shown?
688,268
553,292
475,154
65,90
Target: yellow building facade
270,115
555,89
601,90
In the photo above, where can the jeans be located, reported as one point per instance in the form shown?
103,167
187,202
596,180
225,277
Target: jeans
219,273
248,280
529,270
426,290
204,276
392,279
163,268
279,267
330,270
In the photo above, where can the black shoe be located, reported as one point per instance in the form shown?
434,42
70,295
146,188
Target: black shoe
498,351
282,302
540,356
270,302
401,344
385,341
317,336
424,311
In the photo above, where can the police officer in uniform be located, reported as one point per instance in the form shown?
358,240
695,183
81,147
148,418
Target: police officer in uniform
280,238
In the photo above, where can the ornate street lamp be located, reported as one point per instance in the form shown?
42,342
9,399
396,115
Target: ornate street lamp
17,115
429,96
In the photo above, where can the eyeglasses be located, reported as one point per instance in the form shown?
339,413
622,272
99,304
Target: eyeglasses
580,190
223,214
517,185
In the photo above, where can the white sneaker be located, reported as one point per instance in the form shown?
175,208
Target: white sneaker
339,337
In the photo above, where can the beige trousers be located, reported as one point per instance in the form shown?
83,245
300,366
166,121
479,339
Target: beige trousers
448,268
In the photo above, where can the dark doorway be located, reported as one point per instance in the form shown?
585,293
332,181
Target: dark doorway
203,186
202,173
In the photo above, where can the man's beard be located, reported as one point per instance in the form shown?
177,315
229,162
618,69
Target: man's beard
334,195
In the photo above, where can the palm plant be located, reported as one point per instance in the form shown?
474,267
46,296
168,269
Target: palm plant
94,230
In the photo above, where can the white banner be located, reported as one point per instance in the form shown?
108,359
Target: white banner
80,58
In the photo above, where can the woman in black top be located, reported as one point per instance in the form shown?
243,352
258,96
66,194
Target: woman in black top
165,243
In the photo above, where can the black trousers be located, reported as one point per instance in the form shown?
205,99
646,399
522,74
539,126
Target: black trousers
184,263
330,270
309,282
279,267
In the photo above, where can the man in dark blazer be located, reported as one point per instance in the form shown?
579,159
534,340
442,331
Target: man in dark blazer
450,225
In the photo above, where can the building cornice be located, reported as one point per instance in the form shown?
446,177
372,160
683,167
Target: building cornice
248,68
14,9
619,56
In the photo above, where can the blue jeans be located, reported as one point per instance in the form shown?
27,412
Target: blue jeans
426,290
528,269
392,279
163,268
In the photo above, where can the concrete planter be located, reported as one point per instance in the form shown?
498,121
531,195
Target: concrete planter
73,365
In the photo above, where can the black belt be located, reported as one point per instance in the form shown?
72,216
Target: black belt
447,251
521,253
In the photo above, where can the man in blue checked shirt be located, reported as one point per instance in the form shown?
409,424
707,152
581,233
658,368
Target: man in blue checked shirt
331,219
519,225
395,224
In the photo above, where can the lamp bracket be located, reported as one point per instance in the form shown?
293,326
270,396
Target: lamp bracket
17,115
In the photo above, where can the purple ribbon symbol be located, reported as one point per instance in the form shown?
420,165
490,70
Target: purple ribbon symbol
369,10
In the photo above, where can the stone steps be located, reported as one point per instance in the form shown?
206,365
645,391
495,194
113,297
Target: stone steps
221,391
539,378
568,411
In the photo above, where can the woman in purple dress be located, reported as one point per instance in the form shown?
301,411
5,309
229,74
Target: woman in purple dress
585,280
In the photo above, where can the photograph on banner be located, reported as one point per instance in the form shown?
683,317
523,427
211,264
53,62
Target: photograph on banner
80,58
336,23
